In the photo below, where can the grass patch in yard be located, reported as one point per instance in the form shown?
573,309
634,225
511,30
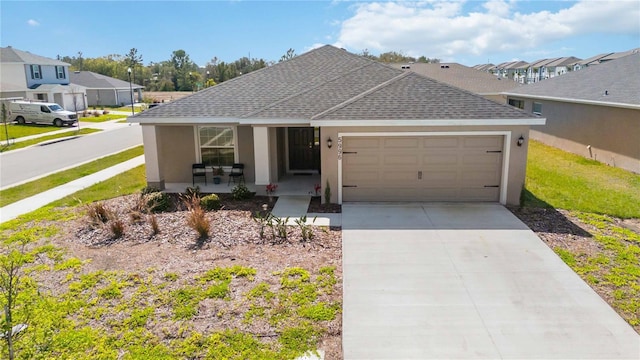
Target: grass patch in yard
563,180
18,131
102,118
126,183
614,270
26,190
22,144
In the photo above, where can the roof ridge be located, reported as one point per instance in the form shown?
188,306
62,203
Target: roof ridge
286,98
363,94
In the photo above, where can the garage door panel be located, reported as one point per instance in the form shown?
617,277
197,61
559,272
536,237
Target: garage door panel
401,143
438,168
483,142
434,159
400,159
360,160
470,159
362,143
436,142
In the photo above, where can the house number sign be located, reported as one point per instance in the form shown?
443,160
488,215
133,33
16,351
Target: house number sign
339,147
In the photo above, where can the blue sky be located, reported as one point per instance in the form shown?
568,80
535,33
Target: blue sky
468,32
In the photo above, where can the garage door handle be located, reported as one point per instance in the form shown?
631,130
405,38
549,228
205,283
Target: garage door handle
492,186
349,152
494,151
344,186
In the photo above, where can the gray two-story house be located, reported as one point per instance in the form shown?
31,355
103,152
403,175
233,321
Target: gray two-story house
25,75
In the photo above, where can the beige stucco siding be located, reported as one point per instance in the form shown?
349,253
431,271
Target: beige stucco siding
245,152
516,161
612,133
177,151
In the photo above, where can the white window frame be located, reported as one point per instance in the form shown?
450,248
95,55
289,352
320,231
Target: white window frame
36,72
234,129
60,73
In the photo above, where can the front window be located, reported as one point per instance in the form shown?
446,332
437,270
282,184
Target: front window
217,146
60,72
36,73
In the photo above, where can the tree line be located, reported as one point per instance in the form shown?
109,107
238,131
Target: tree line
180,73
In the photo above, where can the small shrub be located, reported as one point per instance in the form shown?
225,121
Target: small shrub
241,192
153,221
263,221
327,193
210,202
105,112
198,222
157,202
149,189
117,228
193,191
136,217
98,213
305,229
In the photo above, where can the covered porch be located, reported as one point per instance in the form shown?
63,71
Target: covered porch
288,184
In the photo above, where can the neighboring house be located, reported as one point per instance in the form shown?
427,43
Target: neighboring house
594,112
484,67
373,132
561,66
512,70
28,76
106,91
602,58
463,77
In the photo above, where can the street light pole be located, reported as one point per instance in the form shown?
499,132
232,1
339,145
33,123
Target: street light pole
131,91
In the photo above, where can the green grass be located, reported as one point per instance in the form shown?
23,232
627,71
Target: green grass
18,131
26,190
562,180
128,182
22,144
102,118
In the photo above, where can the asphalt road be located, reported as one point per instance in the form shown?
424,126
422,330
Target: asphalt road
36,161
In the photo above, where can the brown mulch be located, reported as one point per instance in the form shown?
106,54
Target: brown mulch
234,240
316,206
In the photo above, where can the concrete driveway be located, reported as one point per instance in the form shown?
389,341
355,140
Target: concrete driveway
459,281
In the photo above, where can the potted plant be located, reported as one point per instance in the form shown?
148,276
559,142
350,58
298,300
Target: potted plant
217,173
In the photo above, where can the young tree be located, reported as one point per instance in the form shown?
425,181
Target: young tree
11,266
289,55
134,60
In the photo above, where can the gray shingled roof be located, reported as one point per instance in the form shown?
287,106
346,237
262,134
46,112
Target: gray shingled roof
620,78
463,77
92,80
11,55
329,83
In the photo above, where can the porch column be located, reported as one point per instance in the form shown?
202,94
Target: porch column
151,159
261,156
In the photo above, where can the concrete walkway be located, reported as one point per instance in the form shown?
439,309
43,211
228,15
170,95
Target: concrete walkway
466,281
35,202
295,206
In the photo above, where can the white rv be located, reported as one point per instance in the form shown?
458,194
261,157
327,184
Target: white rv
41,113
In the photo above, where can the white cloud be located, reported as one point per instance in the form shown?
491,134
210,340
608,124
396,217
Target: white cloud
32,22
440,28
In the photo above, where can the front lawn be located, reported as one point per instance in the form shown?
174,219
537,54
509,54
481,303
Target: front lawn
589,214
17,131
41,139
563,180
119,286
101,118
31,188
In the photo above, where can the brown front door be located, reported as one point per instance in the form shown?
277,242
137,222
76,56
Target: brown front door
303,151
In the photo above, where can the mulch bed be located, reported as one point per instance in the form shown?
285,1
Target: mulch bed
316,206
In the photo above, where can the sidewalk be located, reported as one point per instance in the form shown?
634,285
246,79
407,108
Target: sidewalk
295,206
35,202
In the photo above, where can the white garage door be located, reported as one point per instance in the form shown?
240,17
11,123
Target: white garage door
422,168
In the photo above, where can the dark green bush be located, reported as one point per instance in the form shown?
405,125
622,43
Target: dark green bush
149,189
157,202
241,192
210,202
